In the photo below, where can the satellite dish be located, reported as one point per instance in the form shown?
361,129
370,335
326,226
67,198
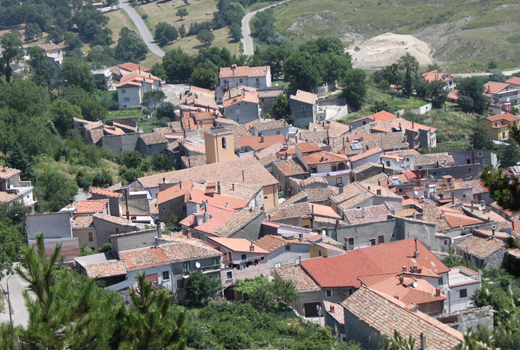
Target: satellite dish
414,284
197,265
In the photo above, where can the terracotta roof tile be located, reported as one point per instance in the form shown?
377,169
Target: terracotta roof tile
106,193
7,197
436,75
493,87
243,71
6,173
91,206
432,159
304,96
153,139
363,155
50,47
258,143
132,67
366,215
237,244
270,125
79,222
290,167
480,247
237,222
271,150
301,280
386,315
106,269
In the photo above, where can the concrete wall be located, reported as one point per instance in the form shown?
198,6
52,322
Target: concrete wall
83,235
359,331
148,150
423,231
466,172
251,231
455,302
272,132
365,174
175,206
283,256
483,157
422,109
129,97
117,144
104,229
52,225
114,204
142,239
340,101
375,158
362,234
303,118
465,320
248,112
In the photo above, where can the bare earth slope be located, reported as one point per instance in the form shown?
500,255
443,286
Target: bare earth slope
386,49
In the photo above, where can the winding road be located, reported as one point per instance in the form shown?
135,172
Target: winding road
141,27
247,41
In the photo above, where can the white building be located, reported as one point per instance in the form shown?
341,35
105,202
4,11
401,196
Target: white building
463,283
132,88
235,76
12,189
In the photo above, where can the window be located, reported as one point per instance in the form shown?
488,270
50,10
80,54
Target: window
224,142
400,190
463,293
229,275
339,181
126,99
257,80
378,192
184,208
180,283
303,108
319,252
237,112
496,124
364,123
163,208
91,237
328,293
287,247
186,266
380,239
387,163
445,242
350,291
265,197
277,265
165,275
480,153
503,134
117,229
259,134
123,91
243,257
372,242
241,81
278,132
351,242
333,167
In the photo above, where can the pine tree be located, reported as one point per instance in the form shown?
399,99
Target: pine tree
17,159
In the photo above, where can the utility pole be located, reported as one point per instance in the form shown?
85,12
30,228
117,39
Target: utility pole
9,301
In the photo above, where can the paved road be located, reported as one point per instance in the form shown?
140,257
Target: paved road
467,75
143,30
247,41
16,286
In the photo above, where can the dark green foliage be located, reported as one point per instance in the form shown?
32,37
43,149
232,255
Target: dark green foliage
131,159
158,71
130,46
301,72
201,287
63,113
12,234
355,88
281,108
17,159
318,339
480,138
182,30
12,52
173,223
102,178
84,180
273,56
454,261
76,72
501,188
32,31
492,65
165,33
470,89
165,110
178,65
509,155
205,37
497,75
410,66
204,76
399,342
41,69
264,295
129,175
153,97
161,162
381,106
54,190
182,12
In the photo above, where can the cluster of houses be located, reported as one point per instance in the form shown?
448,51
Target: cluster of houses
353,215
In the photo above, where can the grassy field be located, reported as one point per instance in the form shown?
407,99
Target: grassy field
191,45
464,31
452,125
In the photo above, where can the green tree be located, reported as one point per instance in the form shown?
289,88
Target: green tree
153,97
12,52
263,295
236,32
84,180
492,65
165,33
76,72
182,12
472,88
165,110
438,95
501,188
11,238
151,322
204,76
161,162
130,46
262,25
454,261
206,37
131,159
410,66
17,159
54,190
497,75
319,339
274,56
301,72
61,316
392,74
509,155
178,65
63,114
182,30
32,31
42,70
281,108
201,287
355,88
158,71
480,138
102,178
381,106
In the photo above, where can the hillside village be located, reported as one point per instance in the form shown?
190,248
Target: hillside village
352,214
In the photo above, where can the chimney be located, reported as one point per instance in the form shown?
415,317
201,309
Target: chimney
423,341
472,206
156,242
413,125
232,186
218,187
404,269
197,206
261,139
437,292
401,279
301,237
243,176
227,204
268,217
206,216
416,254
493,230
252,247
452,199
346,242
188,233
331,308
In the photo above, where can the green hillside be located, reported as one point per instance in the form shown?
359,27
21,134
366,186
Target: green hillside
464,34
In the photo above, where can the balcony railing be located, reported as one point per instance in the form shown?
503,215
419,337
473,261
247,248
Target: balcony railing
332,173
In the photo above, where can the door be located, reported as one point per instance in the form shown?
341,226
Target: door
310,309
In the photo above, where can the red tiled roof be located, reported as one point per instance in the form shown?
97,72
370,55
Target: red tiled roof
91,206
324,157
457,220
255,142
243,71
218,216
513,80
237,244
307,147
50,47
493,87
6,172
366,154
344,270
106,193
304,96
436,75
503,116
132,67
